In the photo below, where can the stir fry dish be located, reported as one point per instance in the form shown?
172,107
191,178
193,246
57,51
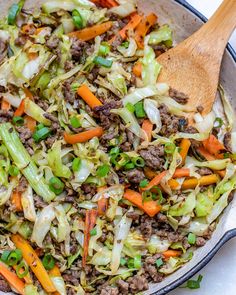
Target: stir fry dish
105,187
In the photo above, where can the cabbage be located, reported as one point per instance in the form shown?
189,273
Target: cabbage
31,68
174,263
5,193
55,161
196,136
4,165
59,284
34,111
69,5
204,203
102,257
68,25
43,224
205,124
115,192
198,226
156,245
19,63
225,186
163,34
93,245
120,234
174,107
118,81
63,231
130,121
153,113
82,174
229,112
134,244
14,100
130,51
233,140
185,207
214,164
150,66
27,201
139,94
31,290
221,187
123,10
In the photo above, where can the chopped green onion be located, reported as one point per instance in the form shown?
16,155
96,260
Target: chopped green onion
22,269
14,257
125,44
218,122
39,126
77,19
129,166
13,170
48,262
138,161
139,110
93,232
104,49
137,261
160,195
169,148
41,134
75,123
123,261
103,170
144,183
191,238
56,185
100,61
76,164
130,263
159,262
147,196
226,155
5,255
114,151
192,284
120,160
130,107
18,121
14,11
43,81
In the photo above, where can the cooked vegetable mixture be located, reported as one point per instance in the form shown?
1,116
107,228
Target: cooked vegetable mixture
104,185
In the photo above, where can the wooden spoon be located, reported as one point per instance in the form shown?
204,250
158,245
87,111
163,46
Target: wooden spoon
193,66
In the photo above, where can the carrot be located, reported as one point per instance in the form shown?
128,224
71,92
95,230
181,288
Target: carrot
83,136
27,278
204,180
173,184
28,93
20,110
102,206
182,172
213,146
30,123
137,69
146,23
149,207
12,279
90,221
105,3
55,271
88,96
34,262
147,127
91,32
184,148
171,253
16,201
149,173
135,20
5,105
32,55
26,29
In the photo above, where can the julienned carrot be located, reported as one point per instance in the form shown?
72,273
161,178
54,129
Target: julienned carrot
146,23
83,136
90,221
149,207
28,93
174,185
88,96
5,105
30,123
102,206
184,148
32,55
91,32
149,173
106,3
20,110
171,253
213,146
34,263
204,180
181,172
12,279
16,201
26,278
55,271
137,69
135,19
147,127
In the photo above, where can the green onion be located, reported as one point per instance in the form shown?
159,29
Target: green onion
159,262
169,148
129,166
192,284
218,122
48,262
139,110
137,261
138,161
75,123
147,196
125,44
14,11
39,126
143,183
130,107
114,151
13,170
14,257
100,61
123,261
104,49
226,155
56,185
191,238
22,269
5,255
93,232
43,81
77,19
130,263
103,170
160,195
18,121
41,134
76,164
119,160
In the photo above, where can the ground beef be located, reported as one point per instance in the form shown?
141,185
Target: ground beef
4,287
69,65
23,184
137,284
200,242
153,156
150,269
159,49
123,286
24,133
135,176
3,47
71,277
146,226
38,202
41,103
50,117
180,97
174,237
161,218
5,116
170,123
133,215
117,42
204,171
67,92
108,290
52,43
200,109
185,243
89,189
191,130
79,49
111,133
227,141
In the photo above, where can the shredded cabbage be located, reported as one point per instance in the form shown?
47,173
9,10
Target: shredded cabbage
153,113
163,34
27,201
156,245
123,10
